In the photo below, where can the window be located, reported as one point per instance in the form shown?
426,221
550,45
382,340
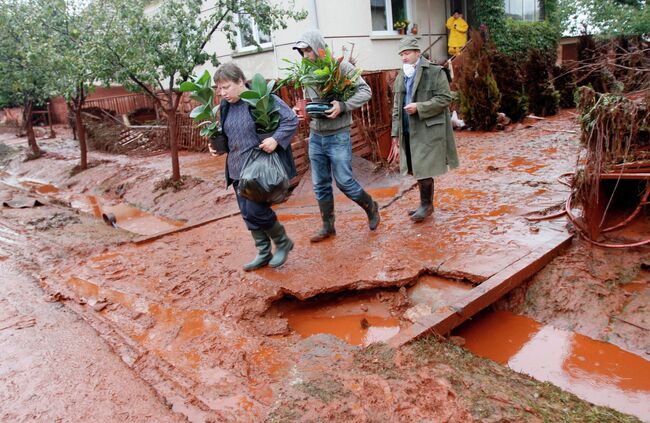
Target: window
523,10
249,34
385,12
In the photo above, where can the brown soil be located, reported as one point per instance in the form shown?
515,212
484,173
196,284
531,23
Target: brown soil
184,317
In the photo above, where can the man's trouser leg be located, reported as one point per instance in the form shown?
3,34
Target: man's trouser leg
321,176
339,148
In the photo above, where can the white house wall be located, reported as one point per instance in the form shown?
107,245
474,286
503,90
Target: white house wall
343,23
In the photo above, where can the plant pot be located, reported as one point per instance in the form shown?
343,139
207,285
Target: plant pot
219,143
402,31
316,108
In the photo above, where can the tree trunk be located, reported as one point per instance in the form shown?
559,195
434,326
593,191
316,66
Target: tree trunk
29,128
173,142
81,134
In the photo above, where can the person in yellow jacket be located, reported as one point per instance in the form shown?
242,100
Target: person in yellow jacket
457,33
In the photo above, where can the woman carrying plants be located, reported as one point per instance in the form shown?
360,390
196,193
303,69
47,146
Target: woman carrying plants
239,126
338,83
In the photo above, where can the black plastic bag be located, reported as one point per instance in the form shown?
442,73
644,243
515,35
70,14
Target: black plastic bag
263,178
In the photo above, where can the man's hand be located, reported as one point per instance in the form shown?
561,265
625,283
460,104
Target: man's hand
411,108
212,151
268,145
334,111
393,155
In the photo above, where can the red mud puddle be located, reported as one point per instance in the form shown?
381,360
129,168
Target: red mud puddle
367,317
593,370
126,217
525,165
39,187
358,320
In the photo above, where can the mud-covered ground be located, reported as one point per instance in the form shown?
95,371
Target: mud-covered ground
197,334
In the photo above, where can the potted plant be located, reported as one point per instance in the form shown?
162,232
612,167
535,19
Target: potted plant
265,112
206,114
401,25
324,75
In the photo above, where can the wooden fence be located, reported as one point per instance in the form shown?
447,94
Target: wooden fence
122,104
370,129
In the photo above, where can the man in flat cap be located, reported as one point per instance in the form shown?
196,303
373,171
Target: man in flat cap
422,135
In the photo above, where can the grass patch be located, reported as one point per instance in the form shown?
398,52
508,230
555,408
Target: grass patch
324,389
491,389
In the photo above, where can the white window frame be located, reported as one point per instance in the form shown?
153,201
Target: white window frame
537,16
256,36
389,18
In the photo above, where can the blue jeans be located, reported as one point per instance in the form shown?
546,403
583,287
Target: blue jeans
332,155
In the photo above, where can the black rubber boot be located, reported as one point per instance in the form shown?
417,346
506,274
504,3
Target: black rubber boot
371,208
426,200
282,244
327,215
263,244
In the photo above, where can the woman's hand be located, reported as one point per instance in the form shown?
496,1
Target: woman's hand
393,155
268,145
211,150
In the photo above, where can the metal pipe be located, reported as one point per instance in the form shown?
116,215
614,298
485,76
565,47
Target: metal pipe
314,8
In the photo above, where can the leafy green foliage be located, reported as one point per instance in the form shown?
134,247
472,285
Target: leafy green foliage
479,95
523,36
324,75
606,18
27,55
206,114
265,111
518,37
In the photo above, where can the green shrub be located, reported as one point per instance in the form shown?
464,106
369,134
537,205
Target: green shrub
544,99
479,95
510,81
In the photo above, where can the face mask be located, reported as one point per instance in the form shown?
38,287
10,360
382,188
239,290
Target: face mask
409,70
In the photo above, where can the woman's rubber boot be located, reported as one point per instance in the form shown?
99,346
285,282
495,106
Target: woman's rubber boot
264,256
371,208
327,216
282,244
426,200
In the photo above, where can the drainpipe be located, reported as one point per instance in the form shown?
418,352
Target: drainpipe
275,56
314,12
429,22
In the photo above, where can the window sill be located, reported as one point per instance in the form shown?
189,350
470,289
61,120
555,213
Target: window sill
391,36
248,52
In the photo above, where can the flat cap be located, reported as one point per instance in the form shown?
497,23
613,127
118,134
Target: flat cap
408,43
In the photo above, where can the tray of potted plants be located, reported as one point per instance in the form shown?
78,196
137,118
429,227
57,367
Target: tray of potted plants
325,76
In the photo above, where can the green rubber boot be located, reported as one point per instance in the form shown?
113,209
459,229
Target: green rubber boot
264,256
283,244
